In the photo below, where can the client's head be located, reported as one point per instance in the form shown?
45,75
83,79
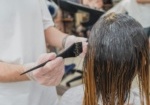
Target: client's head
117,52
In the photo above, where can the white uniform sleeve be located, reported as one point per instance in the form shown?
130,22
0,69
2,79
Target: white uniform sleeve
73,96
46,16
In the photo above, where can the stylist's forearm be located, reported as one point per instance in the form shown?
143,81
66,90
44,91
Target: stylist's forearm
11,73
54,37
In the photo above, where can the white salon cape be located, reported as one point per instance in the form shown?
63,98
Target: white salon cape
22,24
75,95
140,12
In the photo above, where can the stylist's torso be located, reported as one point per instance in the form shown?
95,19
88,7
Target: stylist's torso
22,24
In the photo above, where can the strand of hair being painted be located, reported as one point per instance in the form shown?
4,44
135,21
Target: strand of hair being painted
90,90
144,77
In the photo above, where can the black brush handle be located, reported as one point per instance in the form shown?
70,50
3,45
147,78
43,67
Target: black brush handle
73,51
36,67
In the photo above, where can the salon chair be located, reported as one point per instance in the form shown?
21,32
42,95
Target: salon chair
94,15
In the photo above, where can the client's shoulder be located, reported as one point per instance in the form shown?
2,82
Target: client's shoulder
73,96
134,97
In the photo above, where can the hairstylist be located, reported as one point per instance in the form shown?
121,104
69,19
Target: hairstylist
25,27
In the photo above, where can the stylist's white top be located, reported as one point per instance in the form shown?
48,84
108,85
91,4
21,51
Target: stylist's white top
22,24
141,12
75,96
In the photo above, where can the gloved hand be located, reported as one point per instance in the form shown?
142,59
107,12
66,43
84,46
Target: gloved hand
50,74
73,39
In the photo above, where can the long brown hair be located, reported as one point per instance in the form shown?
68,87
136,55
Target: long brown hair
117,52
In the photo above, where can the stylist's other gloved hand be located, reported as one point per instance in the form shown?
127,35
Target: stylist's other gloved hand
49,75
71,39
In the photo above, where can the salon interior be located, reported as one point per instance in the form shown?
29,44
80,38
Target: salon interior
76,17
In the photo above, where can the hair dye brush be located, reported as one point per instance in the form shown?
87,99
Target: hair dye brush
73,51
